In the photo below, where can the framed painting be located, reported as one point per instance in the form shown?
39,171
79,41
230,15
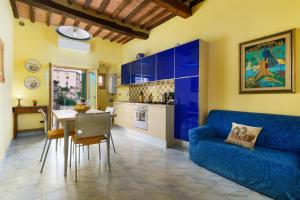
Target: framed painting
2,79
267,64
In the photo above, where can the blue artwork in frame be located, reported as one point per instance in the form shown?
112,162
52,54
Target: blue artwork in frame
266,64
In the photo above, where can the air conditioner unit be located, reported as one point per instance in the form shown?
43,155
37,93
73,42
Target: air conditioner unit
75,45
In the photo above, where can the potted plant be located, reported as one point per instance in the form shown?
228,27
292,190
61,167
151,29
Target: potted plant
34,102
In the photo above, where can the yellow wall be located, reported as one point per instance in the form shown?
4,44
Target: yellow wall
37,41
6,34
224,24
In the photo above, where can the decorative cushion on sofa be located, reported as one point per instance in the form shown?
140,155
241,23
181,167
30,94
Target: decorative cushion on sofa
243,135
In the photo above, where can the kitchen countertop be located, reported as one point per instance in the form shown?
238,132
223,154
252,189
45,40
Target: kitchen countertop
148,104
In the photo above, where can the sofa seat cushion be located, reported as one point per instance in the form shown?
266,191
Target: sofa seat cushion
268,171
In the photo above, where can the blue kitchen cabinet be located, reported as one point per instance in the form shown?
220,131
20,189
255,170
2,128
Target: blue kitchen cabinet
149,68
165,64
187,59
136,71
186,106
125,74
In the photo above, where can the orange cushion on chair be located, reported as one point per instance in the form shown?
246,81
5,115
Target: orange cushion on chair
56,134
89,140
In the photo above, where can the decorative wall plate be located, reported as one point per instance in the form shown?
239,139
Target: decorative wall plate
32,66
32,83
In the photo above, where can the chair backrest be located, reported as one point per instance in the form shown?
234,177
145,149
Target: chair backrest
45,120
92,124
109,109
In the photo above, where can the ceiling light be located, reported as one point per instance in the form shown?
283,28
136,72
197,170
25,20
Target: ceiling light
73,32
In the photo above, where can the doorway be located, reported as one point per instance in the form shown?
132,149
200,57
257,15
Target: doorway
70,86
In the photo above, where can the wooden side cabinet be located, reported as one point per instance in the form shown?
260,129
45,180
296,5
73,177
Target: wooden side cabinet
25,110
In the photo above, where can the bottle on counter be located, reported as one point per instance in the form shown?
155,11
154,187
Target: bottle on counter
150,98
141,97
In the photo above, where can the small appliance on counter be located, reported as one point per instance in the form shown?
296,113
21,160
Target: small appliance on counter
170,98
150,98
141,97
167,98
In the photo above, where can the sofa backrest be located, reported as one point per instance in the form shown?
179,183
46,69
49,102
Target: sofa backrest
281,132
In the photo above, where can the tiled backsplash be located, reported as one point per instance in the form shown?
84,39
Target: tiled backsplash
156,88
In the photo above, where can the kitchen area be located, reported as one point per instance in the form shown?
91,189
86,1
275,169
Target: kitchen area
164,93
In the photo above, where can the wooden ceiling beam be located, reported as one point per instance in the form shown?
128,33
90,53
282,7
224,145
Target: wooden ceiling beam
97,32
155,18
71,1
48,18
115,38
175,6
63,20
140,7
76,23
14,9
102,6
87,4
88,27
167,18
195,2
126,40
31,14
108,35
87,18
123,5
146,14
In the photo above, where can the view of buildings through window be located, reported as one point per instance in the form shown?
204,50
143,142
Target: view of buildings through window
68,87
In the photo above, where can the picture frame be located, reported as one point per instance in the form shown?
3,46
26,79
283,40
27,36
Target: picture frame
267,64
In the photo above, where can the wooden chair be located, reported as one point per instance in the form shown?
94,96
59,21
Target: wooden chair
51,135
92,128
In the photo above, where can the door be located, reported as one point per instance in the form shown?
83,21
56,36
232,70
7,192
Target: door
165,64
136,71
186,106
68,86
187,59
92,88
149,68
125,74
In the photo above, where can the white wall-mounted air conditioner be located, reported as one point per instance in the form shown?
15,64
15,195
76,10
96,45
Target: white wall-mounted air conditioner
75,45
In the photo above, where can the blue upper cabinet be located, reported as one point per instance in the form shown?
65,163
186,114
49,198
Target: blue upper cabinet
165,64
186,113
125,74
136,71
187,59
149,68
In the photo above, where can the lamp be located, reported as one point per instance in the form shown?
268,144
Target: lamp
19,97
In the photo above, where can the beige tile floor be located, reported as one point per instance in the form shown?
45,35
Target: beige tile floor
140,171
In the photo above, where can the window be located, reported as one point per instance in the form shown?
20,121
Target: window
101,81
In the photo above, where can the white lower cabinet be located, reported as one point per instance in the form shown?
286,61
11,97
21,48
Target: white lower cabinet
160,120
157,121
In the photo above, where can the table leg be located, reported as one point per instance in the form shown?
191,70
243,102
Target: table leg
15,125
66,144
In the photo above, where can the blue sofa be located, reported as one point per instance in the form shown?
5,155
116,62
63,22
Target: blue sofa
272,168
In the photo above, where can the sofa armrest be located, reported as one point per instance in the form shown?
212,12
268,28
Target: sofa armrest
200,133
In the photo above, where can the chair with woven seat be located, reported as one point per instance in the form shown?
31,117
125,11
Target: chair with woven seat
51,135
92,128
